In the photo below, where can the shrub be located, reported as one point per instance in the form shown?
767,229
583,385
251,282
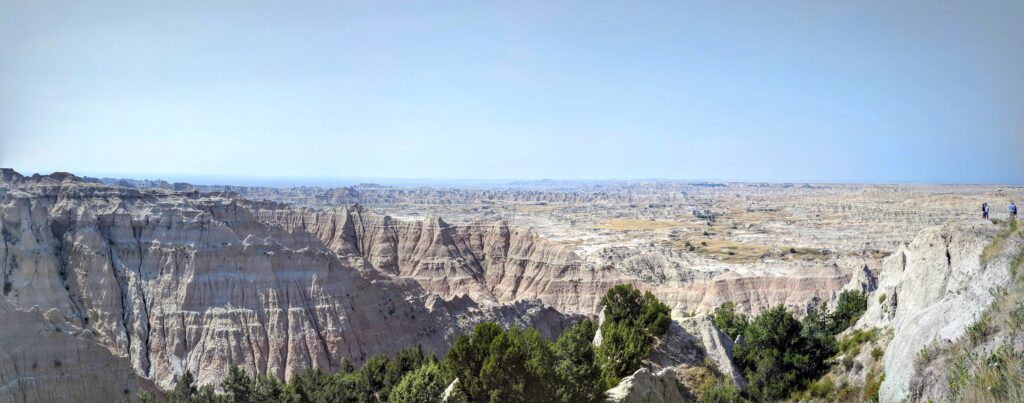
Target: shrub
856,338
872,384
729,321
877,353
632,321
718,390
423,385
577,369
849,308
782,354
979,331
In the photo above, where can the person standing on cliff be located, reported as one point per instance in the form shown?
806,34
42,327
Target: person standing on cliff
984,211
1013,211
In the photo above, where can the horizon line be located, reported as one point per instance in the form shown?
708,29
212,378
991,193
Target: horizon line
324,181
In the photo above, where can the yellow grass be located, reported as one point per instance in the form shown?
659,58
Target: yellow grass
631,224
726,250
535,208
730,251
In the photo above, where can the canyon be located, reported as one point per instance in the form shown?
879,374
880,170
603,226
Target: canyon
147,279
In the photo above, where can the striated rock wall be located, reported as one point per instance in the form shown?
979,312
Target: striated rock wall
46,359
498,263
169,281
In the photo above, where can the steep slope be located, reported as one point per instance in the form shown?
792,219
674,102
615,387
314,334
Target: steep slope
45,358
934,288
173,281
496,262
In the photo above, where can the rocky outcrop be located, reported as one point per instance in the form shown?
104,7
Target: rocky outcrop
645,386
498,263
934,288
43,358
692,343
490,262
171,281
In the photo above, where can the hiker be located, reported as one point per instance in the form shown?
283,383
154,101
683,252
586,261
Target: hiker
1013,211
984,211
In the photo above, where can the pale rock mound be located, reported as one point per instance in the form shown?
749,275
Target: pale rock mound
934,287
691,342
645,386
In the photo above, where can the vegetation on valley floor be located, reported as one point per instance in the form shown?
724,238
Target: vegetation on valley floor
780,356
492,365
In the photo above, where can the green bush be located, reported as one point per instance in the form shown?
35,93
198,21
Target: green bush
782,354
425,384
872,384
979,331
849,308
577,368
729,321
877,353
631,322
856,338
719,390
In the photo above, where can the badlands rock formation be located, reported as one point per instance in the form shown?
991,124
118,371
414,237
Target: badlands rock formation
44,358
169,281
935,287
157,278
495,262
691,344
646,386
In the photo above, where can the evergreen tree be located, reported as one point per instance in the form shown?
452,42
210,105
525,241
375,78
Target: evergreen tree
849,308
631,322
238,385
184,388
422,385
579,376
729,321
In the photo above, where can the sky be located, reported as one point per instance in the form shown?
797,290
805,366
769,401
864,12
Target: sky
780,91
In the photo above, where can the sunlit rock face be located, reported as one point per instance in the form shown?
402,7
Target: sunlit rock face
171,281
498,263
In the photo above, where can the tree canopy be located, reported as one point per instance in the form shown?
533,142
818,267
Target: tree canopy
491,364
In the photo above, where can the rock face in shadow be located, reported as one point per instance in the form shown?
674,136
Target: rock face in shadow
172,281
935,287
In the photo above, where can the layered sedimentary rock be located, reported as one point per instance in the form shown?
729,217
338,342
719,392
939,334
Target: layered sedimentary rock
488,262
934,288
43,358
496,262
172,281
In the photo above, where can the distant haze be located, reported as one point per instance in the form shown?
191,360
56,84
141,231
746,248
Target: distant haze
854,91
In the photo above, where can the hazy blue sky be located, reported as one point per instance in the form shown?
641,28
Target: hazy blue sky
750,90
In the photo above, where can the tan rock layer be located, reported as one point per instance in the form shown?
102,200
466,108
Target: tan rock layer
498,263
185,281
